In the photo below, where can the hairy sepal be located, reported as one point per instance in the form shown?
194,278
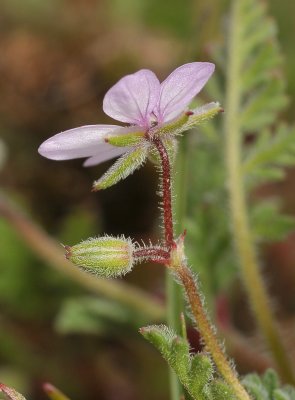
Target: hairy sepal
123,167
127,140
191,119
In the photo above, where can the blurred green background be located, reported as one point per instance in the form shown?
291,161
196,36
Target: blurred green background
57,60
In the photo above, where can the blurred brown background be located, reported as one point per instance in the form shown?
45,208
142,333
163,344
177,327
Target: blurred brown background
57,60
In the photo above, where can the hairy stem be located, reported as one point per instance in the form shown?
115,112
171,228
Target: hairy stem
152,253
206,330
175,301
166,189
173,293
176,264
251,276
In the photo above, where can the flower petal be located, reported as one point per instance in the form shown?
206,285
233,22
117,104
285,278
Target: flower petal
180,87
106,155
84,141
133,98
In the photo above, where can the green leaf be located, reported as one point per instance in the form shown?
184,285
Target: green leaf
91,315
270,380
173,348
124,166
280,395
255,387
271,152
268,224
267,387
165,341
219,390
261,109
201,373
195,372
287,393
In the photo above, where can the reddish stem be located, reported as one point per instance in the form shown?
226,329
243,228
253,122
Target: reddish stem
166,187
152,253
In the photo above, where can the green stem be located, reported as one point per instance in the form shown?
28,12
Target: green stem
205,328
173,312
251,276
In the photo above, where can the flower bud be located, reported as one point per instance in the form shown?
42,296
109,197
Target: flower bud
105,256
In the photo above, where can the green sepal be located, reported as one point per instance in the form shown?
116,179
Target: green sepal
203,114
123,167
11,393
190,119
129,139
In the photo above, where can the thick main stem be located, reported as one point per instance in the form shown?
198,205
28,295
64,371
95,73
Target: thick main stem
252,278
207,333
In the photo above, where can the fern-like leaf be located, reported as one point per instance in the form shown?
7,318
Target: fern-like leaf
195,372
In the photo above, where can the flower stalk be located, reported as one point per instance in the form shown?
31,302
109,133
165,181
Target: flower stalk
166,189
177,265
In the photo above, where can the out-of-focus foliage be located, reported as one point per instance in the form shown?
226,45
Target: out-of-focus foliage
267,145
58,58
268,387
96,316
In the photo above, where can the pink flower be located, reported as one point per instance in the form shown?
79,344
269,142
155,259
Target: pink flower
140,101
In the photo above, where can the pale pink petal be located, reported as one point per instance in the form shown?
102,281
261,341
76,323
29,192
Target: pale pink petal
76,143
108,154
180,87
133,98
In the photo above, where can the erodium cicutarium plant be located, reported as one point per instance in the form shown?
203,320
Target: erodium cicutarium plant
251,87
156,114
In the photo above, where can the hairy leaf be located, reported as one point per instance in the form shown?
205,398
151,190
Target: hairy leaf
195,372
